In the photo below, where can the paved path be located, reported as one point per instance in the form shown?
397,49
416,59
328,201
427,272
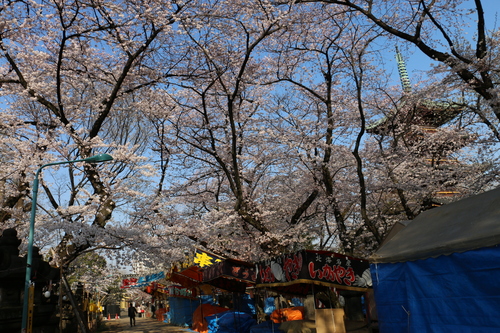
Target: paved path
142,325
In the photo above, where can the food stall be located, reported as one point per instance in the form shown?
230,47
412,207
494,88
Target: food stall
335,284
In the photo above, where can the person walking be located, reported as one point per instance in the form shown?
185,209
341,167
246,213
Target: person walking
132,311
153,310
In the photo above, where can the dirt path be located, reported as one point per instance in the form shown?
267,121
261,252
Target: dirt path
142,325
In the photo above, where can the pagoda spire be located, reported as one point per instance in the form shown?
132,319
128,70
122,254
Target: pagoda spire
403,74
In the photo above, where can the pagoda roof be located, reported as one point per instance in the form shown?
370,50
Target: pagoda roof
424,114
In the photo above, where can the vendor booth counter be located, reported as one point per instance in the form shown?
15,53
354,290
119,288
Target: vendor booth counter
221,305
337,283
232,278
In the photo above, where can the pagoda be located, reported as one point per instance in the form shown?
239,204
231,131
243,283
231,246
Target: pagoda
413,118
425,114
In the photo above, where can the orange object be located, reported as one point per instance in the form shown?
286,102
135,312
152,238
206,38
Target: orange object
116,316
204,310
159,314
287,314
109,316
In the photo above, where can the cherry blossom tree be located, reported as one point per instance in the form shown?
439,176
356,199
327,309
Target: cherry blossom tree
268,139
242,127
70,73
217,120
442,31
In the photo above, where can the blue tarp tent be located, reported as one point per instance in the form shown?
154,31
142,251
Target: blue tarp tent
243,303
181,310
440,272
230,322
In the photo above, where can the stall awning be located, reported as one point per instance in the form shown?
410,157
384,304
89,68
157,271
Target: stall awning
231,275
298,272
189,277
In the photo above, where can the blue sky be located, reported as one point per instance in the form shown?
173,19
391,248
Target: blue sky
417,63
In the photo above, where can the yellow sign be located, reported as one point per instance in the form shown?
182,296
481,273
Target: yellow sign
203,259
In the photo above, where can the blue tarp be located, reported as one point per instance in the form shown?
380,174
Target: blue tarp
269,306
243,303
453,293
181,310
208,299
230,322
297,302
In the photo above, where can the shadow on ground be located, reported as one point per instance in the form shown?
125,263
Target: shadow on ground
142,325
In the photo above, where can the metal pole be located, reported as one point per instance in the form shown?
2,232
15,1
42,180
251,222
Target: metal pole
29,256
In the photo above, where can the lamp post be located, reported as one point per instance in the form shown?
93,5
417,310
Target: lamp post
29,258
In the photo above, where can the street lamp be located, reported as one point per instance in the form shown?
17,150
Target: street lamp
29,258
